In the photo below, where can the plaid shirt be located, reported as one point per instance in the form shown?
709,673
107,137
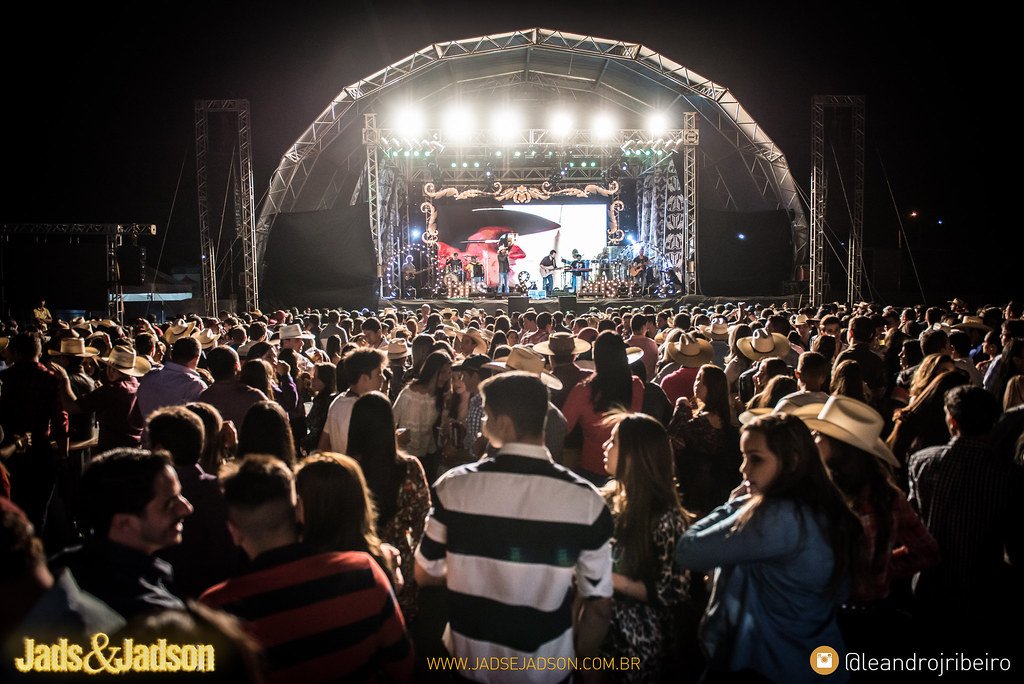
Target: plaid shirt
911,547
474,419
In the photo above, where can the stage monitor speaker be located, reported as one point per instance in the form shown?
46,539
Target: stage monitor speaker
517,304
567,302
131,264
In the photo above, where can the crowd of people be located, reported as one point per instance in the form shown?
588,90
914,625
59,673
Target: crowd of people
709,493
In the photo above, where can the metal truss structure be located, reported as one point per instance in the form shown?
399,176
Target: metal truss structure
743,167
113,234
819,196
244,208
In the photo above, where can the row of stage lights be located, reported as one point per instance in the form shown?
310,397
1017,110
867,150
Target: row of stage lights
458,123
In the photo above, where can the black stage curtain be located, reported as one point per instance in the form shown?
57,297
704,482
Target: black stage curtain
321,258
69,272
759,261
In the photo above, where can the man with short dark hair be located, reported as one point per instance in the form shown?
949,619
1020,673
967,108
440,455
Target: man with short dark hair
860,335
229,396
364,369
812,374
969,501
318,616
175,384
133,508
515,536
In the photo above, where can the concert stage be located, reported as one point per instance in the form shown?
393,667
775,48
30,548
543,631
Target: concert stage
492,303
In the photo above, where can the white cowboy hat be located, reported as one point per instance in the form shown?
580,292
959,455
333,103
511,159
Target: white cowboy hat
207,338
178,330
853,422
762,345
690,351
398,349
525,359
124,359
718,330
74,346
476,335
293,331
972,322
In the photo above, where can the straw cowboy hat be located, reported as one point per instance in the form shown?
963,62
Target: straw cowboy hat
561,344
525,359
762,345
207,338
718,330
293,331
853,422
972,322
178,330
124,359
633,354
689,351
74,346
398,349
476,335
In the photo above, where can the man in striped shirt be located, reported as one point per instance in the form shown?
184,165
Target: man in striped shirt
517,538
319,617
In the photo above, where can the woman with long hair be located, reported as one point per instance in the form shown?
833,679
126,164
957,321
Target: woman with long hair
336,510
218,443
419,408
257,373
396,482
784,548
266,430
706,442
649,520
896,543
325,389
930,368
611,387
923,423
848,381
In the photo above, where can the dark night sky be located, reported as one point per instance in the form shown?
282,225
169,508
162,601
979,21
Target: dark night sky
99,115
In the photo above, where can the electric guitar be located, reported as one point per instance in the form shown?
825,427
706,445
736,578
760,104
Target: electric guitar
409,275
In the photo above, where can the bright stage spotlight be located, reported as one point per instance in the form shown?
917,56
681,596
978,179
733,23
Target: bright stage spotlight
657,123
409,122
505,124
561,123
415,234
458,123
603,126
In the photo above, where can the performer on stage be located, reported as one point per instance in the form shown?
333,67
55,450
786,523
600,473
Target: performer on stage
503,268
411,276
638,270
454,266
578,268
548,266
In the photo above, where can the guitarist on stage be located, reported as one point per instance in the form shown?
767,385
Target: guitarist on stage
638,270
548,266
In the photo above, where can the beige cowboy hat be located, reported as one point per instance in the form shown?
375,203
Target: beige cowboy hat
690,351
633,354
853,422
718,330
207,338
762,345
561,344
124,360
293,331
398,349
972,322
179,329
803,412
802,319
74,346
525,359
475,334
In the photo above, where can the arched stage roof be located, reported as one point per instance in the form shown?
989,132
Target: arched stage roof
740,168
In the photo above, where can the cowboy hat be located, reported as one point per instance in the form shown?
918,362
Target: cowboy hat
561,344
207,338
762,345
718,330
74,346
853,422
124,360
293,331
972,322
476,335
178,330
525,359
398,349
690,351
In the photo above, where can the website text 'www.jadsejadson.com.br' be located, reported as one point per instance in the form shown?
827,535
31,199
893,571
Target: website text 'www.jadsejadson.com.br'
515,664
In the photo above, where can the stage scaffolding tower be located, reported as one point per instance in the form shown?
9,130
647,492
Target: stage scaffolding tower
245,215
819,196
